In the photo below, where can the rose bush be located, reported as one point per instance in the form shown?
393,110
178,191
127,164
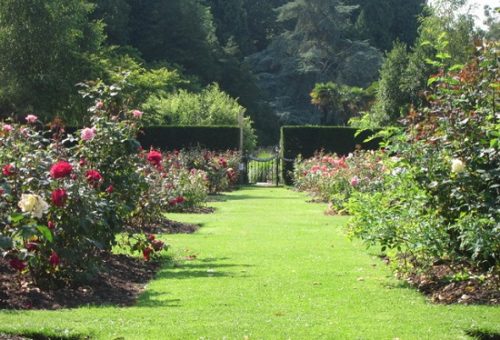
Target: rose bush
221,168
333,179
449,167
64,198
437,198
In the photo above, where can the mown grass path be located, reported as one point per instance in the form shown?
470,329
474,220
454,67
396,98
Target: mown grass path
267,265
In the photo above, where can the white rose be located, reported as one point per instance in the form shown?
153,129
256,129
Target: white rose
33,204
457,166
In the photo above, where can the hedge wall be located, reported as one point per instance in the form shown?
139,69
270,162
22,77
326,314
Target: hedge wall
178,137
216,138
306,140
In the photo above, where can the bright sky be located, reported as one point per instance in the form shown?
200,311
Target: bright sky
476,8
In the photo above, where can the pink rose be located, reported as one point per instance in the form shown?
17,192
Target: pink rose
8,170
7,128
99,105
355,181
31,118
88,134
137,114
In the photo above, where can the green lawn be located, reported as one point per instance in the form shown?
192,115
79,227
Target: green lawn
269,266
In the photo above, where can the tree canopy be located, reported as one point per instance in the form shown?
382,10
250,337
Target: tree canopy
267,55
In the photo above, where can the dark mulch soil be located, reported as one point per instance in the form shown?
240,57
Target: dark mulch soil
166,226
440,288
119,282
198,210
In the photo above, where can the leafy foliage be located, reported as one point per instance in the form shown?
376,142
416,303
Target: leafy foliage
209,107
403,77
448,170
45,49
339,103
317,47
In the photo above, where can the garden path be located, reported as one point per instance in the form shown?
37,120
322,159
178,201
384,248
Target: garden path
268,265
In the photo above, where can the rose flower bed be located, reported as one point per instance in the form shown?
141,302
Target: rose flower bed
433,207
220,168
333,179
63,200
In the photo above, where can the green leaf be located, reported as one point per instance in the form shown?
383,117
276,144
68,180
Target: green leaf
432,62
456,67
16,218
443,55
432,80
45,231
6,242
27,231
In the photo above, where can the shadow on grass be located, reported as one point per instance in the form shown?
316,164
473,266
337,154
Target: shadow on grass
203,268
200,268
152,298
483,334
228,198
398,285
42,336
234,196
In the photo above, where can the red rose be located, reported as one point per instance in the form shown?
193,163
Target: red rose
157,245
154,157
17,264
59,197
151,237
60,169
147,253
82,162
172,202
222,162
110,189
8,170
31,246
93,176
180,200
51,225
54,259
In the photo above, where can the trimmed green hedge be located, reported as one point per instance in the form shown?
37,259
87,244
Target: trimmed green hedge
306,140
178,137
216,138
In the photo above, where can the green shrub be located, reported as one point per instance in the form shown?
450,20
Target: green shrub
209,107
445,202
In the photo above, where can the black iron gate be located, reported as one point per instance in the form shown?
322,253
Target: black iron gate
263,170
